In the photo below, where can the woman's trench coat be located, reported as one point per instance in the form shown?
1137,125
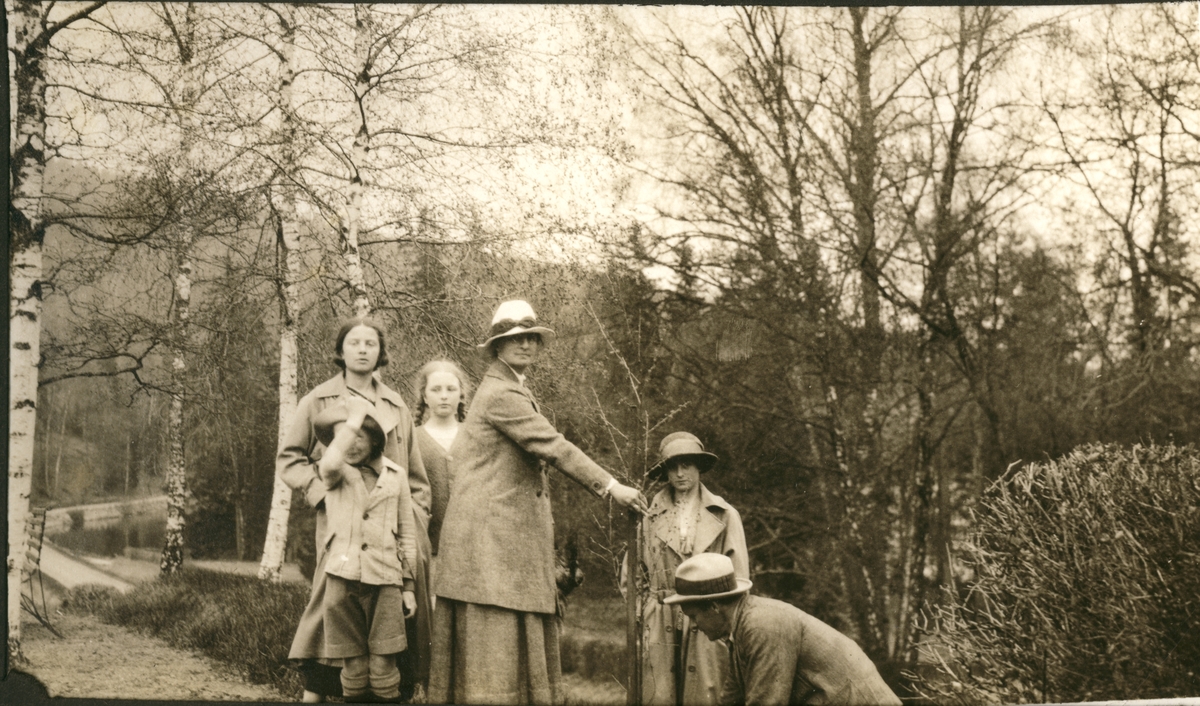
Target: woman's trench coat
296,464
703,663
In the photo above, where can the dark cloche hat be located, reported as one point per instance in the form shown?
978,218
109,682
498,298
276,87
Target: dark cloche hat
681,444
335,414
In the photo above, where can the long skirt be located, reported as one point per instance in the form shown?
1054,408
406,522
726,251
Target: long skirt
414,662
484,654
321,675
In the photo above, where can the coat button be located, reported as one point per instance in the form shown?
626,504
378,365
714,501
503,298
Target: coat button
691,668
366,515
364,546
539,493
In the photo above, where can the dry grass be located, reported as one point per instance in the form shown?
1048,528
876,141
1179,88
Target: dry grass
248,625
241,621
584,692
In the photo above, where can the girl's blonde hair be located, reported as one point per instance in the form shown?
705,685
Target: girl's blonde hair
441,365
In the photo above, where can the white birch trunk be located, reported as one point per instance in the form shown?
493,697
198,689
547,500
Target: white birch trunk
358,156
281,497
176,479
27,230
275,545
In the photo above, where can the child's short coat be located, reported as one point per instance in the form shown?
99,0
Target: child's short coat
366,530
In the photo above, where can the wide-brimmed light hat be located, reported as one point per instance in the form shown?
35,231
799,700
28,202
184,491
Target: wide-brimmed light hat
705,577
337,413
681,444
513,318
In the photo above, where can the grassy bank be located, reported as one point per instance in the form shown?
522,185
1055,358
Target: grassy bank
239,620
248,625
593,639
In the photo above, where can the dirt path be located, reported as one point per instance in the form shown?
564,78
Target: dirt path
95,660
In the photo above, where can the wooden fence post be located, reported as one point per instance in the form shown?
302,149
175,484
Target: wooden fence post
633,613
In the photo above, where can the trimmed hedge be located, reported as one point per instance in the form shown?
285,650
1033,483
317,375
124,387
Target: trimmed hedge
239,620
1086,578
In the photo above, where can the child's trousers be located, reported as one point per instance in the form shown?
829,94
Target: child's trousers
364,625
363,619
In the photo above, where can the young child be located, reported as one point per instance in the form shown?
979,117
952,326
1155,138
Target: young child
372,546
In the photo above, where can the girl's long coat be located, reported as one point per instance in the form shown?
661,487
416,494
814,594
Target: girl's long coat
296,465
497,539
703,662
435,457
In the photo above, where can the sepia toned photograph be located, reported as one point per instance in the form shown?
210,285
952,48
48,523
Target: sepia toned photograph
602,355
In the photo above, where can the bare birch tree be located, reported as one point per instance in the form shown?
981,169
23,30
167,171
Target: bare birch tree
171,70
183,30
283,203
34,29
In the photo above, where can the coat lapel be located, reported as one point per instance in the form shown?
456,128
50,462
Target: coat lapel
668,535
388,484
707,531
387,416
711,526
665,531
502,371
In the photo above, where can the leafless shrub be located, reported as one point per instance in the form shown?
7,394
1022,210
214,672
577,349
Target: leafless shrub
1085,584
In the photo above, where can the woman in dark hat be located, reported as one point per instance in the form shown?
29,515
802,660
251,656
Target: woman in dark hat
685,519
495,633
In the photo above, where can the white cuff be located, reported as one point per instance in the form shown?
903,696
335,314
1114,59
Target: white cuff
608,488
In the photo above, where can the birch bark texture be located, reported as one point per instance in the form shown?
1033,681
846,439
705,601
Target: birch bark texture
288,235
358,158
181,276
32,32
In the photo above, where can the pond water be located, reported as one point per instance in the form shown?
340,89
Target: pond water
137,531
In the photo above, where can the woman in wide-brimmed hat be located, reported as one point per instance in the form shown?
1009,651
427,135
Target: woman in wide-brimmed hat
495,635
685,519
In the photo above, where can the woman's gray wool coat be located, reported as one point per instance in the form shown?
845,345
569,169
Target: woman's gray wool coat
497,541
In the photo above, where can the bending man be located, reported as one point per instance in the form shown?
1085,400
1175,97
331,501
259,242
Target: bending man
778,653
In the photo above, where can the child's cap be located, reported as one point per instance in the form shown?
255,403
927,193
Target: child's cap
337,413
